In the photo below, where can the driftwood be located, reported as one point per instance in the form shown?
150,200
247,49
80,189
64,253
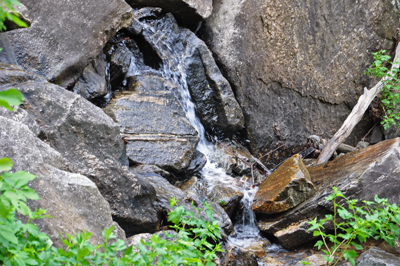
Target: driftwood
355,116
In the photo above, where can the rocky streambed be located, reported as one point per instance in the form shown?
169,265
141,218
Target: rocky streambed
126,107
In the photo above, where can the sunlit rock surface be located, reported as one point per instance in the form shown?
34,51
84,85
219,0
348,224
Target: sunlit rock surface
285,188
359,175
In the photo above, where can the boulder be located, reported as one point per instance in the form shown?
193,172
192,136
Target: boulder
377,256
57,46
91,142
237,256
165,191
153,124
71,199
359,175
228,195
92,84
188,12
192,66
298,63
285,188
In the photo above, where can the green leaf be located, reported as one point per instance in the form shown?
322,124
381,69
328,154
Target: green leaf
11,97
350,255
9,236
5,164
108,232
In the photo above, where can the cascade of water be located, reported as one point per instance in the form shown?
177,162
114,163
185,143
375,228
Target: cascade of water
173,70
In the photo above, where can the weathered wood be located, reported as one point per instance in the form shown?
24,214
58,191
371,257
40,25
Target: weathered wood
355,116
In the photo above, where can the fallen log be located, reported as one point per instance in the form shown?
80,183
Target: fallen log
355,116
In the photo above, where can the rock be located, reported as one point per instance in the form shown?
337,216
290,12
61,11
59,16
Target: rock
285,188
216,105
91,142
314,260
344,148
237,256
286,236
188,12
362,145
146,237
377,256
395,250
153,124
293,63
119,65
359,175
60,51
228,195
165,191
376,135
71,199
197,163
92,83
22,13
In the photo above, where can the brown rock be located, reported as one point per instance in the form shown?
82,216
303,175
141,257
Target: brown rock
285,188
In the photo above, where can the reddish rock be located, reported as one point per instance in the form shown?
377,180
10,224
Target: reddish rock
285,188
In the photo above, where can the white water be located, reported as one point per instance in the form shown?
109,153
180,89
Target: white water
173,69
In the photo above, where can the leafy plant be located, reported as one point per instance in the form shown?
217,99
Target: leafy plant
390,95
7,11
378,220
23,244
11,97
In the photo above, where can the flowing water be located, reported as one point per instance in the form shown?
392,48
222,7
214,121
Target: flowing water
172,68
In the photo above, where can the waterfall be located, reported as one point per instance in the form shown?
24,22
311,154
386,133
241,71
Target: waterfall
173,68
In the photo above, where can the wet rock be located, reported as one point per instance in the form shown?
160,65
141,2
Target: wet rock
344,148
197,163
165,191
188,12
359,175
216,105
235,159
286,236
71,199
285,188
91,142
260,45
153,124
377,256
92,83
119,65
227,195
237,256
60,51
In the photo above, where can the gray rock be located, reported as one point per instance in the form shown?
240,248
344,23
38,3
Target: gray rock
359,175
216,104
376,135
165,191
188,12
293,67
91,142
56,46
226,195
377,257
92,83
119,65
71,199
314,260
153,124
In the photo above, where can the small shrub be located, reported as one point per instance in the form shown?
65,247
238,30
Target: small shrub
378,220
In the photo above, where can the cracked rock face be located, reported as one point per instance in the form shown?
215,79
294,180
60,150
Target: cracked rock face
153,124
295,64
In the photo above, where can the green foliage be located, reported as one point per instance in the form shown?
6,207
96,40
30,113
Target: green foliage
10,97
390,95
378,220
23,244
7,12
